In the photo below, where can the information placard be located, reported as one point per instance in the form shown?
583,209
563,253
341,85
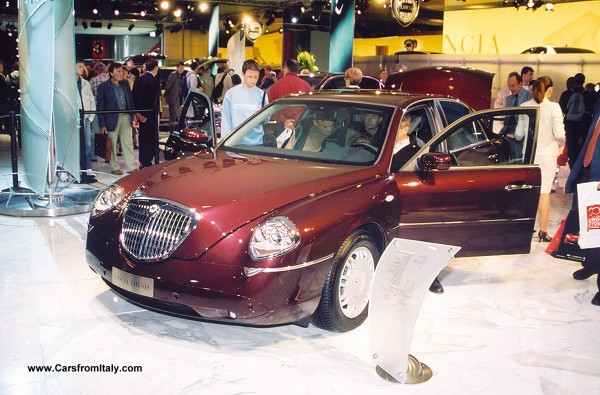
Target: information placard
402,278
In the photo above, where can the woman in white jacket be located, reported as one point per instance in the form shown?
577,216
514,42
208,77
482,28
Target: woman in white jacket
551,132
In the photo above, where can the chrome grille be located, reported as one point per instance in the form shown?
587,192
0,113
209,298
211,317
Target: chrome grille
153,229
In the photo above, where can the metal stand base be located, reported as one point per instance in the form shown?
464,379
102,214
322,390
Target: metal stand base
417,372
65,198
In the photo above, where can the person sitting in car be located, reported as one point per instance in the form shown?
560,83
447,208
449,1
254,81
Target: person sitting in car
314,138
371,132
405,146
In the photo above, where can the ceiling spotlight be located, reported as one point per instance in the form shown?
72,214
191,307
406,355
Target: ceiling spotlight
130,27
116,11
203,7
177,13
143,13
109,25
549,6
530,3
84,24
95,10
165,5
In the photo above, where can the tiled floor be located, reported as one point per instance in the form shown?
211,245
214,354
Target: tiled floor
505,325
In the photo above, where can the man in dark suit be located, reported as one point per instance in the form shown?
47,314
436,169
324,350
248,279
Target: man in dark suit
114,94
146,96
587,169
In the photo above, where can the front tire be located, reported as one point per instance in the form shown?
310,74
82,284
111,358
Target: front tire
345,296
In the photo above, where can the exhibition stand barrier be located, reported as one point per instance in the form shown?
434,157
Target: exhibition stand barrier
402,279
63,196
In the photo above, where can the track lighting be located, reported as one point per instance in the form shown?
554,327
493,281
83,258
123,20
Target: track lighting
109,25
130,27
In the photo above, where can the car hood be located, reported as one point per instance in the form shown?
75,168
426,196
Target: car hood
232,190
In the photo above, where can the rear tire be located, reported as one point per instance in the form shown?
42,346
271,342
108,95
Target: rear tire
345,296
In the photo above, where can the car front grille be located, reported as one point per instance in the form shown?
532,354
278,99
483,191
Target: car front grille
152,229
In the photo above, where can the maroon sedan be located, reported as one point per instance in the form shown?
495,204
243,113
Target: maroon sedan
279,225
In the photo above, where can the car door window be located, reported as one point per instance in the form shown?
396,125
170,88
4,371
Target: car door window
474,143
452,110
421,123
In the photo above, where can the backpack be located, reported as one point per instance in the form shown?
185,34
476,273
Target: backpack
575,107
216,93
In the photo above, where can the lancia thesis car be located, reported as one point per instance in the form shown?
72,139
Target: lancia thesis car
284,220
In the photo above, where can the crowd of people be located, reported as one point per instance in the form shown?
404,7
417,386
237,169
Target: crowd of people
571,125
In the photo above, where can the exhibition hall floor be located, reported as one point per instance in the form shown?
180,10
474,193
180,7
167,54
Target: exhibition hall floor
505,325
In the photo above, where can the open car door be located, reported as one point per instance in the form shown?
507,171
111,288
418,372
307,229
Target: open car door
473,186
195,127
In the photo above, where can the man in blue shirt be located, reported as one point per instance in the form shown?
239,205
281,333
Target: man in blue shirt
243,100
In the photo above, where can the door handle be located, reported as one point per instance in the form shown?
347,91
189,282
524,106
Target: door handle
516,187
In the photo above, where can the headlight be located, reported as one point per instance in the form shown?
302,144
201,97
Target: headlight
107,199
274,237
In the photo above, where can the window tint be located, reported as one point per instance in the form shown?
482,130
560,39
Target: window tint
421,124
453,110
473,143
369,83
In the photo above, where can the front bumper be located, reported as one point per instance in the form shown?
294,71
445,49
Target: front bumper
279,297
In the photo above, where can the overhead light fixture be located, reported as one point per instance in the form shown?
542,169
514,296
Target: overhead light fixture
165,5
203,7
270,20
177,13
109,25
130,27
143,13
550,6
95,10
84,24
116,11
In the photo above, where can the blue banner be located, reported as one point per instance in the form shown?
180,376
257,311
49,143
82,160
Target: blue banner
342,35
213,32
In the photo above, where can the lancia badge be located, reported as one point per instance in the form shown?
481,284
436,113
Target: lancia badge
405,11
253,30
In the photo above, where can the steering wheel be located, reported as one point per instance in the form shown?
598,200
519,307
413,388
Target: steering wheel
369,147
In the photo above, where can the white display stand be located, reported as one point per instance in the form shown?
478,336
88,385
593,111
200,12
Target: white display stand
402,279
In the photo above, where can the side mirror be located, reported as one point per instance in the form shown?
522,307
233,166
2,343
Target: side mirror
434,161
197,136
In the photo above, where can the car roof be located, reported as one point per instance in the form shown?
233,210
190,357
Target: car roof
364,96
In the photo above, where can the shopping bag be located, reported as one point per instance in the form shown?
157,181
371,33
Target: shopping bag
588,201
564,243
102,145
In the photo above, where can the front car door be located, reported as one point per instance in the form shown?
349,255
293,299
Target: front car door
196,127
486,200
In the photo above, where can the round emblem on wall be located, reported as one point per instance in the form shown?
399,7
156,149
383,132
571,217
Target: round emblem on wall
253,30
405,11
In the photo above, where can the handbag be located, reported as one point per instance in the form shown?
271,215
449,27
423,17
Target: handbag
564,243
588,201
102,145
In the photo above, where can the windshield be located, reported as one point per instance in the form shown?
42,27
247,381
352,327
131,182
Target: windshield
320,131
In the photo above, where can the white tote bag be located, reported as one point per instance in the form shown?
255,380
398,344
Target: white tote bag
588,199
